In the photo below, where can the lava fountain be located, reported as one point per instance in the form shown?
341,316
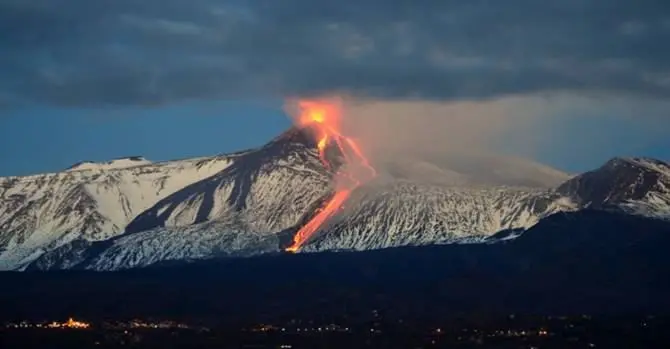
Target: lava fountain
324,119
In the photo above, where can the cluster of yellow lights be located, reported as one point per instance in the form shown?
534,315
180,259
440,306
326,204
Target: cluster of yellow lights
70,323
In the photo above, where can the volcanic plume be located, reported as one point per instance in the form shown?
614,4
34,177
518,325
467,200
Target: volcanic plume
324,118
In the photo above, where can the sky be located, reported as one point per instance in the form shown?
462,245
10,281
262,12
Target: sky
569,83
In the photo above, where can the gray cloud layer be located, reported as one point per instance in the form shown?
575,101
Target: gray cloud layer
125,52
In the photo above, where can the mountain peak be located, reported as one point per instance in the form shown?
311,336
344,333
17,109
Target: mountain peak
295,135
620,180
118,163
639,162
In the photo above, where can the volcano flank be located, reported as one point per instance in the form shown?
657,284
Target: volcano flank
311,189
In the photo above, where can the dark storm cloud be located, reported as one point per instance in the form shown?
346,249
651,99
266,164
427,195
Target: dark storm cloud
82,52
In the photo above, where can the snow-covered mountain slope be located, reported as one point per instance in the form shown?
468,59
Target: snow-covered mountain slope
241,210
379,216
394,214
41,212
253,202
635,185
160,245
257,203
263,191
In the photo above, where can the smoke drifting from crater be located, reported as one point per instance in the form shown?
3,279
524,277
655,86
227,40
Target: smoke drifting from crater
419,126
387,127
531,126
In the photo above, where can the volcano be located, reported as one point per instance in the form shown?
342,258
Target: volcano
323,118
258,201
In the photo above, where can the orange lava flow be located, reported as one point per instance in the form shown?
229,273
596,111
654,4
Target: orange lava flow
324,118
312,226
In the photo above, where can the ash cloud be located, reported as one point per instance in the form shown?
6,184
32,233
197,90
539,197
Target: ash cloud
131,52
422,126
583,131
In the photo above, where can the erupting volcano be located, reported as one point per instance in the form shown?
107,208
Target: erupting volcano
324,119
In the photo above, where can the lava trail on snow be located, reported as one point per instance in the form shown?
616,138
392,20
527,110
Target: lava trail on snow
324,119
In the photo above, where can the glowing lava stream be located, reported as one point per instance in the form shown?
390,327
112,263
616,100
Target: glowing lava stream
324,118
